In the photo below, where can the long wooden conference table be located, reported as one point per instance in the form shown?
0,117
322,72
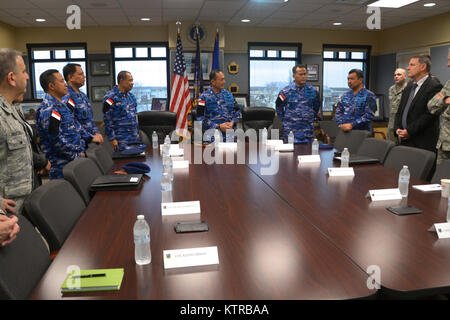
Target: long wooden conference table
297,234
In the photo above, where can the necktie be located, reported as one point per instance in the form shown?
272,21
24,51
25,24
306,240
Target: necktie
408,105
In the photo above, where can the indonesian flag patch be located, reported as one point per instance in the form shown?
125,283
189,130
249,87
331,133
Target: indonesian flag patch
109,101
201,103
56,115
282,97
70,101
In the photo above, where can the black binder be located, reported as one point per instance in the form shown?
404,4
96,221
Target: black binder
118,155
117,182
358,159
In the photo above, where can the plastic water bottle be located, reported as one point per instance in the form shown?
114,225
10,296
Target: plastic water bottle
291,137
141,233
217,137
166,188
315,147
264,136
167,140
345,158
168,166
448,210
154,140
403,181
166,147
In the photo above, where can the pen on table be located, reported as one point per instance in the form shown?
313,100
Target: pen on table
90,275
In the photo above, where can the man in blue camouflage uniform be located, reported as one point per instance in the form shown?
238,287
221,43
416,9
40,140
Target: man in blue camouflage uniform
356,107
217,108
297,106
119,115
61,136
74,76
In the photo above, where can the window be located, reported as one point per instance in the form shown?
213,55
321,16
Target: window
337,62
148,63
270,70
54,56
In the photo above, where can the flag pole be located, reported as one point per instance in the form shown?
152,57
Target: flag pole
178,23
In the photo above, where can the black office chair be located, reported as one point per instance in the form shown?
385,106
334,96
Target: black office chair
442,172
258,118
22,263
162,122
54,208
81,173
351,140
101,157
144,138
419,161
331,129
375,148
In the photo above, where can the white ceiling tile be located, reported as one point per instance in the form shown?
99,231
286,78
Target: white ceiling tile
177,4
143,12
16,4
105,13
222,5
98,4
150,4
48,4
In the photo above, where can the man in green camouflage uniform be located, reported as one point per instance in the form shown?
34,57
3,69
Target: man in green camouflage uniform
395,95
16,165
439,104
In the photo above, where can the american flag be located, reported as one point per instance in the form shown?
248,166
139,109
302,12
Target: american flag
179,94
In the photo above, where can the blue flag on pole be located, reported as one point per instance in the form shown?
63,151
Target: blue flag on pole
215,60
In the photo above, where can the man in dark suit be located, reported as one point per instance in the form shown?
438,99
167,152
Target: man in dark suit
414,124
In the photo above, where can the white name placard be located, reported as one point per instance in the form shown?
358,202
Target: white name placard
284,147
384,194
341,172
442,230
182,207
428,187
172,147
227,145
190,257
176,152
273,142
180,164
134,179
309,159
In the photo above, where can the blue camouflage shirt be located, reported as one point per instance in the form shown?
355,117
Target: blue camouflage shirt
297,108
357,109
59,134
216,108
119,116
83,110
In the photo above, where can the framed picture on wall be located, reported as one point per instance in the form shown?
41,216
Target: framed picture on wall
159,104
29,108
206,59
100,68
313,72
99,92
241,99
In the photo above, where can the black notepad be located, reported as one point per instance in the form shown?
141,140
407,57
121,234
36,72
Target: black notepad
117,182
